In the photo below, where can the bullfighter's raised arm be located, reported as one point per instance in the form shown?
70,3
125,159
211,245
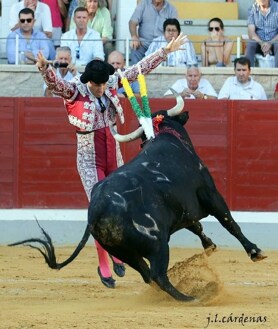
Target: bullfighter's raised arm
57,85
150,62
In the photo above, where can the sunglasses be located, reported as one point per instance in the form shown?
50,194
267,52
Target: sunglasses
171,30
28,20
189,66
77,52
217,29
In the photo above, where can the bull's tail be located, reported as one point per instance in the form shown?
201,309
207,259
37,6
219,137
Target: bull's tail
48,251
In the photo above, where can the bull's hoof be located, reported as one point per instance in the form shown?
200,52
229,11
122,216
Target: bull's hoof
210,250
119,269
256,255
108,282
186,298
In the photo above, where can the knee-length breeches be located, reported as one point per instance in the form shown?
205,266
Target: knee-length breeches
98,154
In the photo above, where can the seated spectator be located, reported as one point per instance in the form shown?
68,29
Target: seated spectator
193,86
263,30
58,10
217,49
116,59
72,6
85,43
146,23
276,92
43,21
100,21
31,41
65,69
242,86
172,29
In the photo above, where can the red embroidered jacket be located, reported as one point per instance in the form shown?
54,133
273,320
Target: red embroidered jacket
80,103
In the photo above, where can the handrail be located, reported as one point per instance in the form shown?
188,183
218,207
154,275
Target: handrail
239,40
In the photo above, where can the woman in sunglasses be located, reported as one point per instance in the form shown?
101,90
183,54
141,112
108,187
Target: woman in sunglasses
217,49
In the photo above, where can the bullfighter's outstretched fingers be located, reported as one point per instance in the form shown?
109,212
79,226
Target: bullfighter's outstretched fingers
175,44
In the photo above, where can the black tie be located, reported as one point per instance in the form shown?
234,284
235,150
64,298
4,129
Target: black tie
102,106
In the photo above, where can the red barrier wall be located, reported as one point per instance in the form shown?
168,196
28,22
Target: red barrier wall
236,139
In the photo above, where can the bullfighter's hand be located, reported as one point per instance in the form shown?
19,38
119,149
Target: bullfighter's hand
42,62
175,44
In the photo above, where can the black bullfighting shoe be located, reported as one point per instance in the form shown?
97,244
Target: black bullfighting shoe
108,282
119,269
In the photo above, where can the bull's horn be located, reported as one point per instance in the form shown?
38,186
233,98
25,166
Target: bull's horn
179,106
126,138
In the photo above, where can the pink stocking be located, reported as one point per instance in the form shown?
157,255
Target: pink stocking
103,261
116,260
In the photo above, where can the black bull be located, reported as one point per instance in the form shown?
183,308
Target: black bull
134,211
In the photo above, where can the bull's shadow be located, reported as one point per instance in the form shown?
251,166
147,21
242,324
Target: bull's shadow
165,188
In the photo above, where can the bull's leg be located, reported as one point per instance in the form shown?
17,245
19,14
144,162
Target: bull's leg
220,210
159,262
197,229
139,264
131,258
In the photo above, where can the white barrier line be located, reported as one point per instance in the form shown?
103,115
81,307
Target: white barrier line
81,215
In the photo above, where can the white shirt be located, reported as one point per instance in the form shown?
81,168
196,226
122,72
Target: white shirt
204,87
232,89
43,20
90,47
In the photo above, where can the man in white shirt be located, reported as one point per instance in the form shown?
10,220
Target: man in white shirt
193,86
85,43
242,86
65,69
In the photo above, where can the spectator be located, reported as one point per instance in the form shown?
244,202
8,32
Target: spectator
100,21
31,41
172,29
43,20
193,86
116,59
146,23
217,49
72,6
242,86
276,92
92,106
65,69
58,10
263,30
85,43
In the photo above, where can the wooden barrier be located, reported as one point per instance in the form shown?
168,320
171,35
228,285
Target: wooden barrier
236,139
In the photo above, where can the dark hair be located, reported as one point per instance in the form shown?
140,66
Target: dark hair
78,9
242,61
26,11
172,21
217,19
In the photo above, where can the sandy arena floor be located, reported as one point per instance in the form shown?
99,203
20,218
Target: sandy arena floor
233,292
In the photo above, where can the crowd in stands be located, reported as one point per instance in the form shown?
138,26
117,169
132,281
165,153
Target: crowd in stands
86,28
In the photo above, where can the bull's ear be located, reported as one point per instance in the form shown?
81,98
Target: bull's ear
183,117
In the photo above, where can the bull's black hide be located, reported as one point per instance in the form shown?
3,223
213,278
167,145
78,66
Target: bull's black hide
134,211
